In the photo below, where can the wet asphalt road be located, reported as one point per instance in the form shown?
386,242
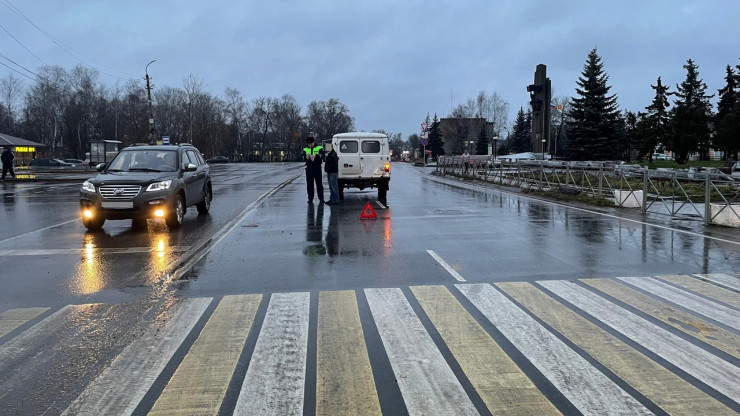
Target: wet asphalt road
261,237
280,243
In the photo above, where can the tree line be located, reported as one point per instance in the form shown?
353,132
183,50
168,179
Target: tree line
590,125
66,110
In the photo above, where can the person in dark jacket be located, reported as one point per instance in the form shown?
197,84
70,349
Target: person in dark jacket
331,167
313,155
7,159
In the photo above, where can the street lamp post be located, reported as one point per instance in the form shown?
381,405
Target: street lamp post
543,149
149,100
495,141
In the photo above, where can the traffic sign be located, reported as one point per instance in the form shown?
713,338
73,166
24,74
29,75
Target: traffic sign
424,142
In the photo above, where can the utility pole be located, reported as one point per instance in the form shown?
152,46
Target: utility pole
152,138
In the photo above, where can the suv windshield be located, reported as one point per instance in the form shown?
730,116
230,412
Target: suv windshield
144,161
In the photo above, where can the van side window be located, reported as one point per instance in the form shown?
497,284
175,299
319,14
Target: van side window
348,146
371,146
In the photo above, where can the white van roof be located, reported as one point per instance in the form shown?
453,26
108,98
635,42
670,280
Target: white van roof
360,134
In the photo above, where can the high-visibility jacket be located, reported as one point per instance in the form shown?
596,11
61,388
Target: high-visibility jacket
317,152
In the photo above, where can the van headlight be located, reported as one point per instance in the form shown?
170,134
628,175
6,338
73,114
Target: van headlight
87,186
159,186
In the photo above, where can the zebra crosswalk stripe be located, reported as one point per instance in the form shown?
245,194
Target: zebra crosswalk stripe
501,384
664,388
276,377
685,322
121,386
344,378
708,368
725,280
12,319
586,387
427,383
200,381
707,289
709,309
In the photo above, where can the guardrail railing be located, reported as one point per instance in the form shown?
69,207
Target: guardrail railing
712,196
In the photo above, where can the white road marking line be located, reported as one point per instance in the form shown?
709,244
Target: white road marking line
725,280
100,250
120,387
696,303
276,377
587,388
39,230
710,369
446,266
427,383
13,349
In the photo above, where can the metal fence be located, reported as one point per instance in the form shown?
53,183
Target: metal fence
712,196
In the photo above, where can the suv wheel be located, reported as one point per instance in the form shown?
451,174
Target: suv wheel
204,206
93,224
175,217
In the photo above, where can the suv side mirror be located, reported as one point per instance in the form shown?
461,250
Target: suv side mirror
100,166
190,167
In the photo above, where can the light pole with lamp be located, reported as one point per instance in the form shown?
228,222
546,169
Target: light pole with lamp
149,99
495,142
543,149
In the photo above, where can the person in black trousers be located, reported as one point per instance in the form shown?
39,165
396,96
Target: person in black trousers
313,155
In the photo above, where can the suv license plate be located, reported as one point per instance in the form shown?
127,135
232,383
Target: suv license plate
117,205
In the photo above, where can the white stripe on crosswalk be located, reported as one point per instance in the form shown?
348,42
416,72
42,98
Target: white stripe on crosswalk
710,369
276,377
586,387
722,279
121,386
696,303
12,319
426,381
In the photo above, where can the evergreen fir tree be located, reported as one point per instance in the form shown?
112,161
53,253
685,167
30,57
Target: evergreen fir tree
727,120
521,133
435,138
594,129
691,114
656,126
481,144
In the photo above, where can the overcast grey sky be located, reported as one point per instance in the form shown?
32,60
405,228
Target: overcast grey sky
390,61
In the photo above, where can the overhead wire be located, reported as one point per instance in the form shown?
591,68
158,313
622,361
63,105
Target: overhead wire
61,45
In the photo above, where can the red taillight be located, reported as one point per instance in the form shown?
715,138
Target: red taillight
387,167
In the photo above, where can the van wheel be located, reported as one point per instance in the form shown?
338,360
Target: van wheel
175,217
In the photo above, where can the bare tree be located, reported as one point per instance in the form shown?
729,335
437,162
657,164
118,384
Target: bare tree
11,89
193,87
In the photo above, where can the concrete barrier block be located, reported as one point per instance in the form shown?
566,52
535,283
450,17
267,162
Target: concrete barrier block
723,214
628,199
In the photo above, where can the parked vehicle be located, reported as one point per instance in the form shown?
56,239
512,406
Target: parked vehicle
45,162
76,162
218,159
144,181
364,162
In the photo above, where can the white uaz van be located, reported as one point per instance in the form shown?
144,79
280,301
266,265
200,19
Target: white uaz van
364,162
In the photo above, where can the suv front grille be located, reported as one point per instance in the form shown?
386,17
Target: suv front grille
119,191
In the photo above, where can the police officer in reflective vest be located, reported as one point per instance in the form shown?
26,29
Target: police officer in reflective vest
313,154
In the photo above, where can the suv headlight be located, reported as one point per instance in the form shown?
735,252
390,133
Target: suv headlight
87,186
159,186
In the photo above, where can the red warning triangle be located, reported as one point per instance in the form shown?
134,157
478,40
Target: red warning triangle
368,212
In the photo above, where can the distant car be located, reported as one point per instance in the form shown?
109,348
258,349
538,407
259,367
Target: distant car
218,159
661,156
75,162
49,163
